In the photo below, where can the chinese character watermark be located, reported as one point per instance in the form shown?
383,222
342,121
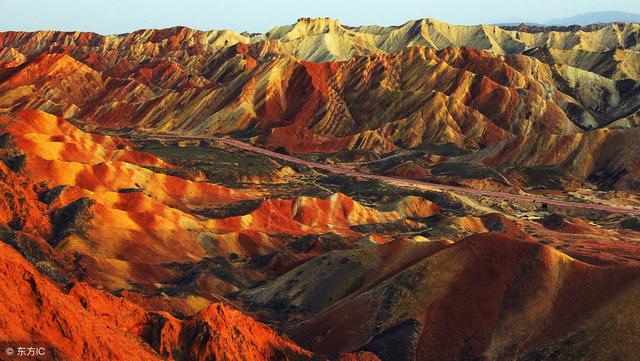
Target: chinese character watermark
26,352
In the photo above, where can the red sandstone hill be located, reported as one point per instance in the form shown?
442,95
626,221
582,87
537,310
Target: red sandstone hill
87,324
483,297
65,211
128,221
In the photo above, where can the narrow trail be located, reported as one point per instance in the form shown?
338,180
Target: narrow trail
402,181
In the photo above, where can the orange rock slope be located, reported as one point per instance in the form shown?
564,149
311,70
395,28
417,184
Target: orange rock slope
486,296
82,322
117,206
64,198
87,324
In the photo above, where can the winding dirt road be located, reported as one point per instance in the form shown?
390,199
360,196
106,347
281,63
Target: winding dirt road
405,182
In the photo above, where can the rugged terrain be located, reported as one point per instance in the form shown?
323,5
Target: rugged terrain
131,230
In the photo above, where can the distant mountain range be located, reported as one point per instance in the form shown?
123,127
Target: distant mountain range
581,19
597,17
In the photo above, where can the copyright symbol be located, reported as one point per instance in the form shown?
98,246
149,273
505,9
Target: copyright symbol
9,351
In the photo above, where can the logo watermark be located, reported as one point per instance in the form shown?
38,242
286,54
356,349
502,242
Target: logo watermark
25,351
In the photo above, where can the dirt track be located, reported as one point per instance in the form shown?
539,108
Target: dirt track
407,182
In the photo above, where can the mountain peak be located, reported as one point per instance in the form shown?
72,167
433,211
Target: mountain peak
325,20
317,25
